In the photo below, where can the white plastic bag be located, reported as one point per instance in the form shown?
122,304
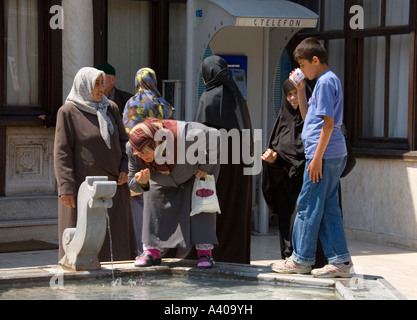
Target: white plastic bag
204,197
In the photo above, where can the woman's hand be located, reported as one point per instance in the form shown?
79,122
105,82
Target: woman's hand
270,156
143,176
122,178
68,200
200,174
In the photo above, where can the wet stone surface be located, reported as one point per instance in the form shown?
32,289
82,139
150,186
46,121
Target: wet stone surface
181,280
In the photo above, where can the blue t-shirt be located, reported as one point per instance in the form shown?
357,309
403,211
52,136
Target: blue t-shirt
326,100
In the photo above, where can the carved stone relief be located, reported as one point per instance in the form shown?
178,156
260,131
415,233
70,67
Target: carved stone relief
30,165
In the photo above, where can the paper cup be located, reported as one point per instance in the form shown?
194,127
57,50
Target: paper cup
297,76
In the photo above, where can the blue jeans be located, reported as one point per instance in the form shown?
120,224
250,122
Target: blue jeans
319,215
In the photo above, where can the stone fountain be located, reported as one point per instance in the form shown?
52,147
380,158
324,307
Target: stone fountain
83,243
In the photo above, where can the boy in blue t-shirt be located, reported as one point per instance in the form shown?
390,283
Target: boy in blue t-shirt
318,209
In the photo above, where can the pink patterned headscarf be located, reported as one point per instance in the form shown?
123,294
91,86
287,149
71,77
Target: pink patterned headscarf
142,140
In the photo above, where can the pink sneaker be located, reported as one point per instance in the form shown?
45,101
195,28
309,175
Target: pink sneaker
205,261
148,258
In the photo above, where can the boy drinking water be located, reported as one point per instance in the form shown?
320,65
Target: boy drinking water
318,209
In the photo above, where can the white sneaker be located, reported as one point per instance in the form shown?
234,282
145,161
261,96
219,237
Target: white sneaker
289,266
334,270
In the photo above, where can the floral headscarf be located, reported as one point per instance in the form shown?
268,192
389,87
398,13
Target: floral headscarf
147,103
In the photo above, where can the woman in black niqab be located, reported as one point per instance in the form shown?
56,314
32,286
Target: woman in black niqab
222,106
282,180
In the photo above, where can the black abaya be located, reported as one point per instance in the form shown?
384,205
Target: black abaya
222,106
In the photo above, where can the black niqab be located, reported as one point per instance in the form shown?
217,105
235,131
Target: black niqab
222,104
286,135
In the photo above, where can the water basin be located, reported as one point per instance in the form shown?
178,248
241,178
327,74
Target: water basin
179,279
164,288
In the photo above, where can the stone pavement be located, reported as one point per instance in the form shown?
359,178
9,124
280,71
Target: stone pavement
397,266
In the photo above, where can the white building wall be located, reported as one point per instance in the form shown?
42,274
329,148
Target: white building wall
77,40
379,199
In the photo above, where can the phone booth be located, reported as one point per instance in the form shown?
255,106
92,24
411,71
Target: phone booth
255,32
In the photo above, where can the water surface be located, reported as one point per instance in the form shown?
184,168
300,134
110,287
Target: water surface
163,288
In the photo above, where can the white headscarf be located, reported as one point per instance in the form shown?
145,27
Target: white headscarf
81,96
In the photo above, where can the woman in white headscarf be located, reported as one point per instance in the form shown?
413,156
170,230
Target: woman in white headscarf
90,140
